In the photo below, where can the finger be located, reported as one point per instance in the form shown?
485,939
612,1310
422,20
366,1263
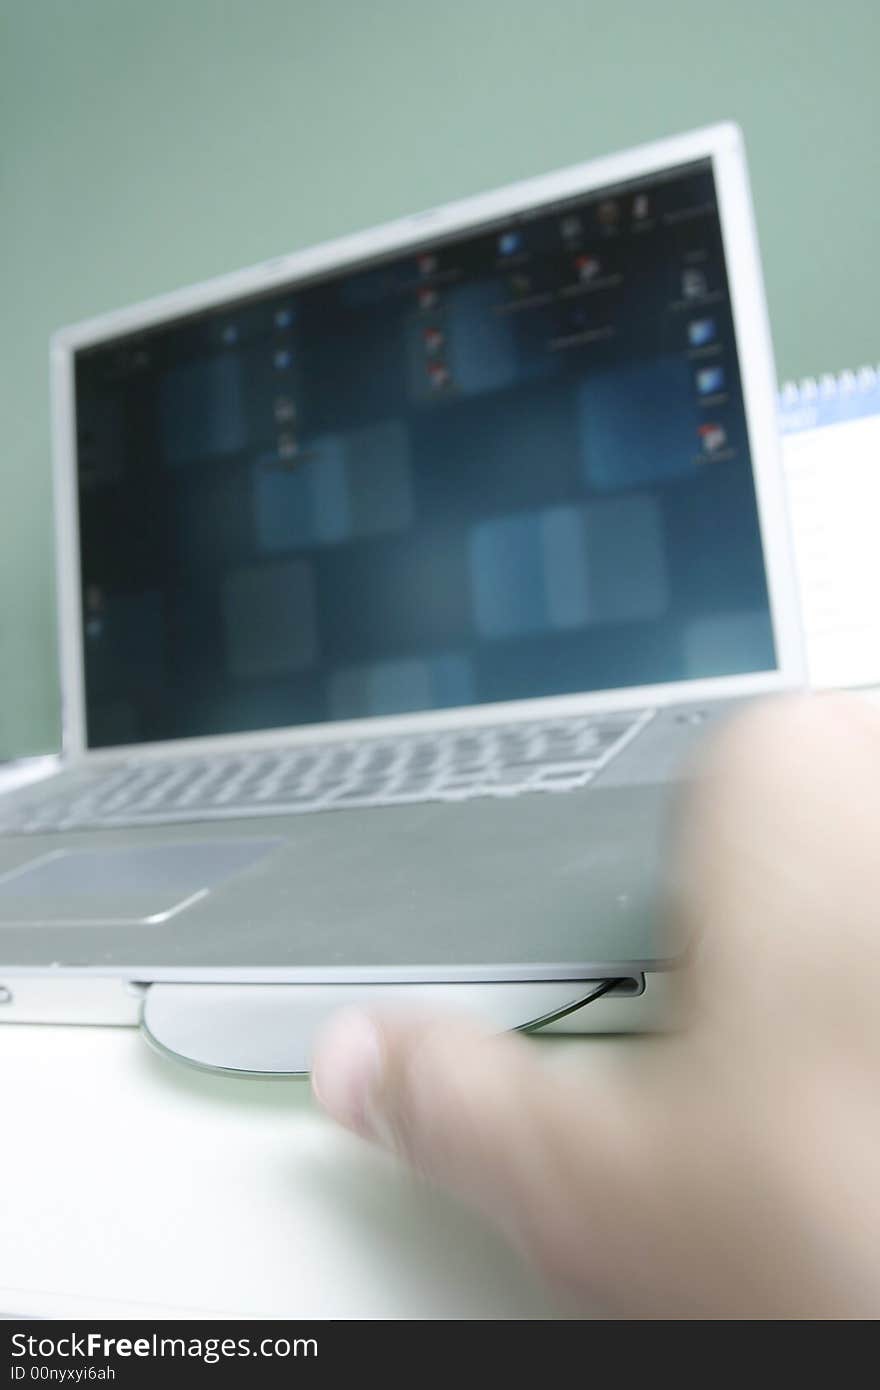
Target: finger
546,1158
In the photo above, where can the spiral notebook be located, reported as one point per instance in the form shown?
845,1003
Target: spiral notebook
831,456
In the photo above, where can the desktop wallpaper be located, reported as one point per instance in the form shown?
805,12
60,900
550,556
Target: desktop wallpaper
507,464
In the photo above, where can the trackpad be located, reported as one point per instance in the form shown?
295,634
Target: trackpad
127,886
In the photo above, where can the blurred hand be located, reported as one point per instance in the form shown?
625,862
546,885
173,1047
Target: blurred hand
730,1168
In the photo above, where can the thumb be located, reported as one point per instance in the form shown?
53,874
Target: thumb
479,1113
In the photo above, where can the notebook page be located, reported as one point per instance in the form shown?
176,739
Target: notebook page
831,457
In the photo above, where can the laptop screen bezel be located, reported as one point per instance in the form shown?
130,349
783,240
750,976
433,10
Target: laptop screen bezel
723,145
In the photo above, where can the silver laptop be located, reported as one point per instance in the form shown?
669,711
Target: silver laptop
397,578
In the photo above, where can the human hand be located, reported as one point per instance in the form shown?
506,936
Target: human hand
728,1168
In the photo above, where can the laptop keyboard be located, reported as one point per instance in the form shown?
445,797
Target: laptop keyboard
503,760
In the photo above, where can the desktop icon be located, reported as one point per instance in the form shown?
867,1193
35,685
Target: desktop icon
713,438
588,268
710,380
571,227
520,284
287,446
427,263
609,213
433,339
283,358
428,299
701,332
285,410
509,243
229,335
641,207
694,284
438,375
95,610
283,317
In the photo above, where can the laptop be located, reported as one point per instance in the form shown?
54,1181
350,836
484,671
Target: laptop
397,579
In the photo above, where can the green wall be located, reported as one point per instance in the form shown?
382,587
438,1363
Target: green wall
146,145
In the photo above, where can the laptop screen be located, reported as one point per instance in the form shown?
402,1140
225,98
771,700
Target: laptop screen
509,464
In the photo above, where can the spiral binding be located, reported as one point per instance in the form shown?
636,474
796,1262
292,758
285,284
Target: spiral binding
829,399
827,386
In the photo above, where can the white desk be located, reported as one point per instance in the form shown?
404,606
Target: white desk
133,1186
